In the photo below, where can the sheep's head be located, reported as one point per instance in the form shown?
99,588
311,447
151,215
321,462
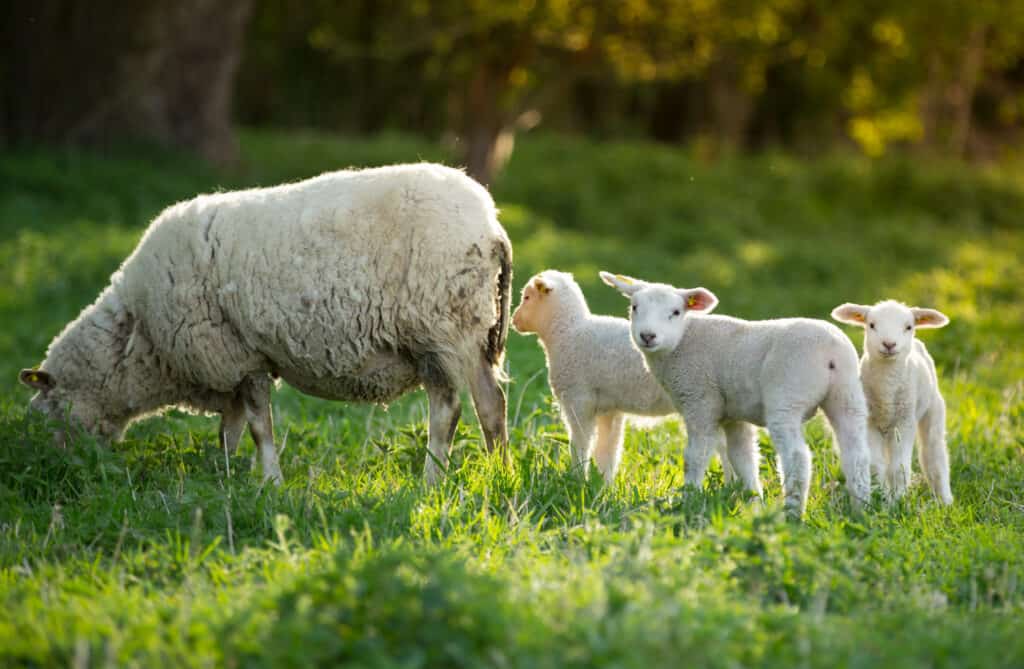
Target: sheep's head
889,326
657,310
544,297
66,405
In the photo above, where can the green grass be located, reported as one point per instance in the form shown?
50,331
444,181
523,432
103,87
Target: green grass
159,553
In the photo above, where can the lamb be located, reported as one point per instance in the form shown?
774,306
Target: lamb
902,391
594,372
356,285
729,374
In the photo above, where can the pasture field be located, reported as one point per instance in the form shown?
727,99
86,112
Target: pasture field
158,552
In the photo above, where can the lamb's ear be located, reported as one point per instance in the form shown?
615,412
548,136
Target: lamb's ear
542,287
928,318
851,314
37,379
699,299
624,284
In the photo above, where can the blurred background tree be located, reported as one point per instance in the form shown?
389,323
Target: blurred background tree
939,76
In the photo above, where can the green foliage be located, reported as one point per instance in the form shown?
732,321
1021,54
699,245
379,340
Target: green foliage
160,551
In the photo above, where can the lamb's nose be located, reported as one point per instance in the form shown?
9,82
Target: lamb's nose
648,338
889,345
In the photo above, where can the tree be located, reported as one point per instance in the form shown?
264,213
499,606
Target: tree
94,72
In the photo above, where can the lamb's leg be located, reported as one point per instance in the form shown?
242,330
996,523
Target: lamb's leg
580,420
445,409
743,454
255,394
232,424
701,443
859,450
876,448
901,455
794,461
933,455
728,471
490,406
608,450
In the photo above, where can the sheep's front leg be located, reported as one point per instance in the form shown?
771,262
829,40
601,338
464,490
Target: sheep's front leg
444,419
608,450
256,399
581,420
877,451
703,440
933,454
901,452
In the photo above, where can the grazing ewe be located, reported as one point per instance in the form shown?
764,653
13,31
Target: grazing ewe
355,285
902,391
595,373
727,373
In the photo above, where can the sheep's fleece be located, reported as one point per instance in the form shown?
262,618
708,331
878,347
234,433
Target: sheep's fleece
354,285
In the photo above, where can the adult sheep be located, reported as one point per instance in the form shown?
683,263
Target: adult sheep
355,285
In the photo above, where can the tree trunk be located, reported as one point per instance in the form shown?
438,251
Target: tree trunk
963,92
105,71
482,123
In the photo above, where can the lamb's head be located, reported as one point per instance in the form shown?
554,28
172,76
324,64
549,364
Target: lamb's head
68,404
657,310
547,297
889,326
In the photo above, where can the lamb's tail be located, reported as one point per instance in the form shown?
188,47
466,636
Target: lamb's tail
498,334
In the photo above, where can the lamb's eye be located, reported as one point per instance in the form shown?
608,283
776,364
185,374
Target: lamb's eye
634,308
675,313
872,325
526,298
909,328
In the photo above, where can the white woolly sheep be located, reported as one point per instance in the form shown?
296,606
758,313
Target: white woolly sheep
355,285
594,372
729,374
902,391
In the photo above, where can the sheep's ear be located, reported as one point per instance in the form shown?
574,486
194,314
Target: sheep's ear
624,284
542,287
37,379
851,314
699,299
928,318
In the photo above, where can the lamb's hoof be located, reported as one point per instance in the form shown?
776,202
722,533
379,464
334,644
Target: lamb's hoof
274,478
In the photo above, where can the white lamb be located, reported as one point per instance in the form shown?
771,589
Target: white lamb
594,372
729,374
354,285
903,396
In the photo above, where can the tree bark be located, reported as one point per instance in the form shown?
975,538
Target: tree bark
100,72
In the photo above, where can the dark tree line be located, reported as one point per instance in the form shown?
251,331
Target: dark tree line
943,76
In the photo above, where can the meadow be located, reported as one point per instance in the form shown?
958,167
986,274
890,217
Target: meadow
160,552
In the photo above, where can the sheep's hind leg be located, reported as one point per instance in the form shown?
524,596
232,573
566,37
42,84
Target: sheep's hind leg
794,460
445,408
232,424
489,403
581,422
933,455
255,394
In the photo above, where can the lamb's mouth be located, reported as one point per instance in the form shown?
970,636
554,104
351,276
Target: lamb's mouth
887,354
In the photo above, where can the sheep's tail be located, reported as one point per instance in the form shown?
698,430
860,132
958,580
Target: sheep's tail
498,334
